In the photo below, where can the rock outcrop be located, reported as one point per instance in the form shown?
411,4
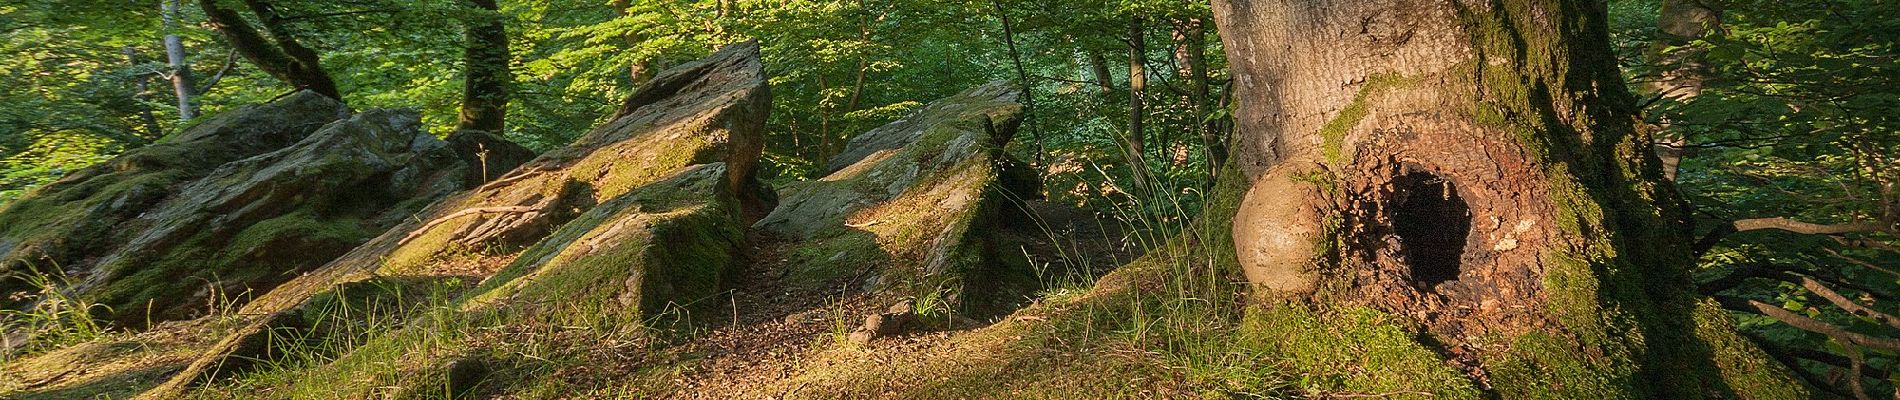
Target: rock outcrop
636,213
910,203
82,215
662,246
215,212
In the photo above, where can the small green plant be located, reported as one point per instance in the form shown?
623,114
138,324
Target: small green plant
55,319
840,323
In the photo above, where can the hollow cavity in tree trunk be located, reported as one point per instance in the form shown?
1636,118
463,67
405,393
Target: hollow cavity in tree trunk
1431,221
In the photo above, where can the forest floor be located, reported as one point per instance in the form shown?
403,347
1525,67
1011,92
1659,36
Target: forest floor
772,333
775,330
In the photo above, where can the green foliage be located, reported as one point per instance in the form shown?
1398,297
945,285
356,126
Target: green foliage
1800,120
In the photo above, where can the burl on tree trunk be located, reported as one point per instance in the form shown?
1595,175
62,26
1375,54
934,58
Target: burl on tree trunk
1472,167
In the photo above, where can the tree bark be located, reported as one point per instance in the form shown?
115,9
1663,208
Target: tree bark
1472,167
486,59
141,89
1213,145
1098,69
824,126
1683,71
1022,81
1133,142
281,55
182,85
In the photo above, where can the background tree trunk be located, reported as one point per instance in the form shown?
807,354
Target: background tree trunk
1214,145
1682,70
1098,69
141,89
486,58
182,84
1472,167
1023,82
1134,143
287,59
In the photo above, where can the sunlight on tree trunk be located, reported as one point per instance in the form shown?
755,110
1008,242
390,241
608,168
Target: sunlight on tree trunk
487,78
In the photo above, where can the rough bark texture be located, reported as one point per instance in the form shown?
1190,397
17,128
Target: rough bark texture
1472,167
708,111
486,75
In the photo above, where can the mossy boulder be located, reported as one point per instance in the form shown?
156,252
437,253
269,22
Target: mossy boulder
643,262
253,223
663,247
704,112
67,224
711,110
912,202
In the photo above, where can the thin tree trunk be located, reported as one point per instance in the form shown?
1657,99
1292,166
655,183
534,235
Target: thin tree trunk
281,56
1472,169
1213,145
230,62
141,90
1098,67
1022,80
182,86
824,126
639,71
1135,139
1683,71
864,65
486,58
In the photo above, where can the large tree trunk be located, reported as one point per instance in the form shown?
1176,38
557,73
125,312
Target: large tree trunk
485,59
281,56
1472,168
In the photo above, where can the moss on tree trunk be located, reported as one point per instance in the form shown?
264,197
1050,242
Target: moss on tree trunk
1472,169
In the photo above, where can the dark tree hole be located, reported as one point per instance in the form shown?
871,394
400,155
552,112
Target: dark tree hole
1431,221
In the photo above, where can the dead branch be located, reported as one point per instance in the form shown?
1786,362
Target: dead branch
1844,303
1796,226
1802,322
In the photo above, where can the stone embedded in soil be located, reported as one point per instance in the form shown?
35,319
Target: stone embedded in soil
254,222
897,319
659,248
